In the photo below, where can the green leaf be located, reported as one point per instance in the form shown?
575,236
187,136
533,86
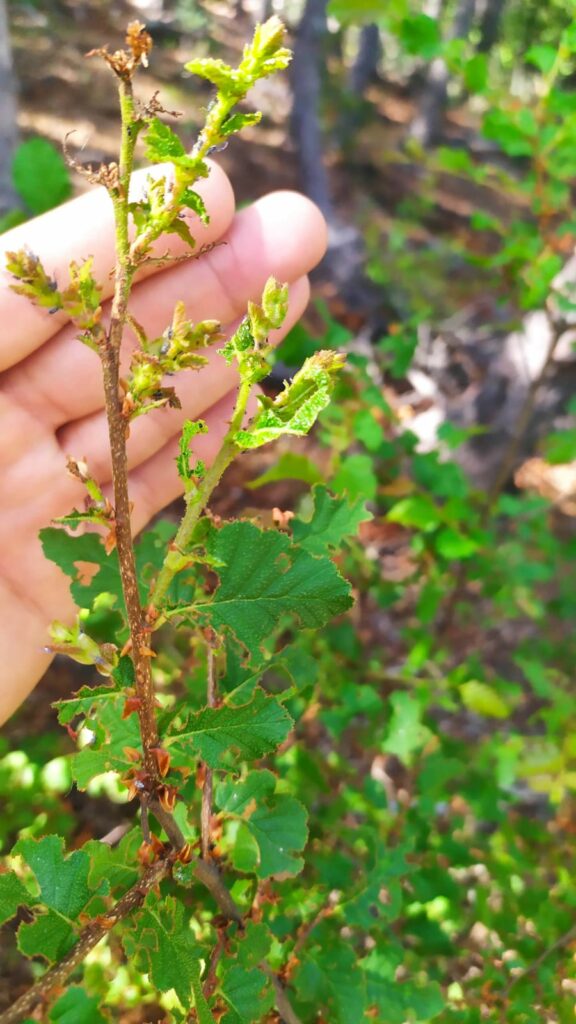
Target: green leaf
418,511
200,1004
254,944
161,142
160,938
542,57
76,1007
190,429
63,880
356,11
87,699
112,734
263,579
13,894
247,992
367,908
420,35
332,520
399,1002
280,829
236,797
356,478
476,73
297,407
453,544
330,979
483,700
193,200
70,552
236,122
560,447
40,175
406,734
277,822
290,466
49,935
253,730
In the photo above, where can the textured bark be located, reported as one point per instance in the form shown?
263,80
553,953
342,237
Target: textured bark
306,86
426,126
8,111
345,260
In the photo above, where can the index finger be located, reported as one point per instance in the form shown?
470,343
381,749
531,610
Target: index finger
85,227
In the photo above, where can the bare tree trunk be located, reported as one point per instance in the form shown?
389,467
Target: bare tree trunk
427,124
8,111
365,66
490,24
344,263
306,86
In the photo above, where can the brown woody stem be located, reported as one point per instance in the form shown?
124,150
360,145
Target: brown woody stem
110,356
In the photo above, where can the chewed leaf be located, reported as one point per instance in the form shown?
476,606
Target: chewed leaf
253,730
263,579
332,520
160,938
297,407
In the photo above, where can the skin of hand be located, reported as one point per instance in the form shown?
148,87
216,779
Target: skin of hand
51,403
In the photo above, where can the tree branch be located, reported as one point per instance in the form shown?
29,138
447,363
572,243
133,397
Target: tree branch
89,937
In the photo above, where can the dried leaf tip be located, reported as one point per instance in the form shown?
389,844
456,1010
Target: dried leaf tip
139,41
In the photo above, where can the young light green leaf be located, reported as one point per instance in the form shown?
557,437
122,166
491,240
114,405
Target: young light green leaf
40,175
483,699
88,700
332,520
190,429
297,407
290,466
253,730
264,578
406,733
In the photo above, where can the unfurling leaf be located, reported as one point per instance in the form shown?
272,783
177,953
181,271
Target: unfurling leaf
297,407
186,472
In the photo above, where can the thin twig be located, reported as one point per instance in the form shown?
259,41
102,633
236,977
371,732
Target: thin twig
206,815
283,1004
559,944
110,358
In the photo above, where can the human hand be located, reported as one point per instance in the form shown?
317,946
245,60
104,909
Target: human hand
51,403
